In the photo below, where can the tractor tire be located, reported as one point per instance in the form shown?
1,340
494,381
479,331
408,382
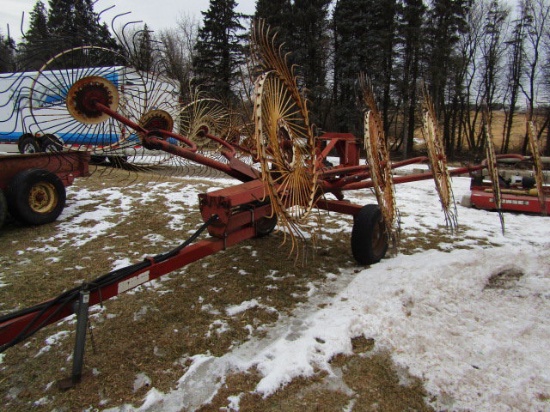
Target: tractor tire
369,240
36,197
119,162
28,144
97,160
50,143
3,209
266,225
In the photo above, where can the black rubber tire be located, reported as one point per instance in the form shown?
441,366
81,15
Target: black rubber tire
36,197
51,143
118,161
369,240
28,144
266,225
97,160
3,209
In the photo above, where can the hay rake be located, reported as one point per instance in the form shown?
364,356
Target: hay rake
292,179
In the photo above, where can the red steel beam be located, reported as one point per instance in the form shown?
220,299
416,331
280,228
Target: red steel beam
10,329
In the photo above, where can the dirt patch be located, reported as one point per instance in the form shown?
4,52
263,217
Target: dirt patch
505,279
365,381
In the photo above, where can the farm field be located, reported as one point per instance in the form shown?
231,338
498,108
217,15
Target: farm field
450,322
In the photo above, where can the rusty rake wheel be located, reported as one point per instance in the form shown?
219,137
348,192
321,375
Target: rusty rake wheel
534,144
204,114
381,174
379,163
438,163
64,92
285,144
157,120
492,164
285,147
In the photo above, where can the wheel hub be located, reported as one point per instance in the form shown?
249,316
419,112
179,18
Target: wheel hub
42,198
84,96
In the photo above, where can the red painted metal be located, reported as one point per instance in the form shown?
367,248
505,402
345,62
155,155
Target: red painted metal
513,202
11,329
345,144
66,165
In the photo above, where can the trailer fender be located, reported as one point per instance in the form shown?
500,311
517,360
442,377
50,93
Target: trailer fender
36,196
369,240
27,143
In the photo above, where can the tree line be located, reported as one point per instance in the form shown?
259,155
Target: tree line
468,54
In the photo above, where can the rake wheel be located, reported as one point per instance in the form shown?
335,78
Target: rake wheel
64,92
157,120
204,114
63,95
380,170
285,149
492,164
537,163
438,163
378,160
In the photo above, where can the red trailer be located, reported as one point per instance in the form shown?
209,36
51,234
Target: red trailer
517,197
32,186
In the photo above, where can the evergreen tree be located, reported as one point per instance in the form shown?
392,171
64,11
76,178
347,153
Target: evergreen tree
309,42
219,49
7,60
447,23
365,41
33,50
74,23
351,57
410,23
278,14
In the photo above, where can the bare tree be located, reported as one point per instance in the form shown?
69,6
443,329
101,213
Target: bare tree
179,51
467,72
537,13
515,64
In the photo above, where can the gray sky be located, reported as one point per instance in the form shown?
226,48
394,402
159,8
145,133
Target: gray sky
158,14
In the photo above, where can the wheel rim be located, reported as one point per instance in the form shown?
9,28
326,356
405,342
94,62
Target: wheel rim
156,120
85,93
29,148
43,197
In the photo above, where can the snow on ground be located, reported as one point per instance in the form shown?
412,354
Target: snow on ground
476,347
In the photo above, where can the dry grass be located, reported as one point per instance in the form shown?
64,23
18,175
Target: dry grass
516,137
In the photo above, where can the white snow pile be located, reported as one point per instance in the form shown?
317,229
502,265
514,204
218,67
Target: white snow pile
476,346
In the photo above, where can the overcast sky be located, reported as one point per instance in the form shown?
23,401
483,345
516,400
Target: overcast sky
158,14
